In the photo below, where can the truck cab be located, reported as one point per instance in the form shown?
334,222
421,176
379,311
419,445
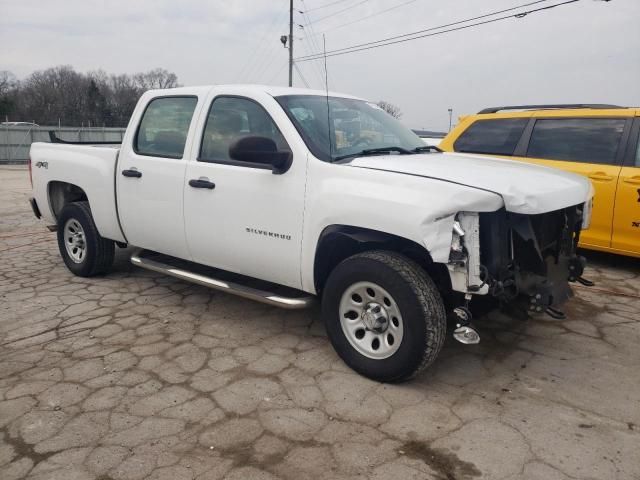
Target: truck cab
181,194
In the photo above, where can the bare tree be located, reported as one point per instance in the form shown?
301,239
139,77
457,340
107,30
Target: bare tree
8,83
55,93
73,98
390,108
122,95
157,78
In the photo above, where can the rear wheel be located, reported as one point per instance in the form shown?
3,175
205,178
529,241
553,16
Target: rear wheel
384,315
82,248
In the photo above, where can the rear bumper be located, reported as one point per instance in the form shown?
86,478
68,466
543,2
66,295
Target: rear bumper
34,207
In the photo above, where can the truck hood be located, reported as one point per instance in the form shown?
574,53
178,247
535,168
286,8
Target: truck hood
525,188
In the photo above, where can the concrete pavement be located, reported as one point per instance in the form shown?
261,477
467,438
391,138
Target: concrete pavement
135,375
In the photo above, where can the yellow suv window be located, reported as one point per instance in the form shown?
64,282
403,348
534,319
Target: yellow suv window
588,140
494,136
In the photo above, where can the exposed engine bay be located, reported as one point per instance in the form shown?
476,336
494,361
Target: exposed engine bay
532,255
526,261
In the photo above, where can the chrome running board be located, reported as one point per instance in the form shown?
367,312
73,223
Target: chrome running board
304,300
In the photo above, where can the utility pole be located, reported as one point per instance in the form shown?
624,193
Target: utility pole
291,43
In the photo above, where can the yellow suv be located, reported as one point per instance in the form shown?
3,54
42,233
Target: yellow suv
597,141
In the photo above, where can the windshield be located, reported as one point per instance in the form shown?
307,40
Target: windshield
356,126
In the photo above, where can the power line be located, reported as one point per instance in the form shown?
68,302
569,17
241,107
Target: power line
309,44
316,69
338,12
266,52
439,27
264,64
304,80
277,72
366,17
313,45
385,42
323,6
260,46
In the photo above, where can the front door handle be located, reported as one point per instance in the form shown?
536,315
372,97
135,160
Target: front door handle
632,180
600,176
133,173
202,183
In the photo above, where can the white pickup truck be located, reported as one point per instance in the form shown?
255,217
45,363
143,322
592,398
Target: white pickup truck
283,195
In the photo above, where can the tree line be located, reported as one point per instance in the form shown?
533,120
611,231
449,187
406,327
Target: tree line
60,95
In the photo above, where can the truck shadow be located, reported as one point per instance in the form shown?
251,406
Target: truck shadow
507,342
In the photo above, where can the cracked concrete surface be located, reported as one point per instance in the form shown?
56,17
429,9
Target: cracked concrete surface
135,375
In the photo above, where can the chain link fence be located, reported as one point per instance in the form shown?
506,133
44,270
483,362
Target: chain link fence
15,141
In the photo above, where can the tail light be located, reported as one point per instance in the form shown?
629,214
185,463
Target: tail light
30,174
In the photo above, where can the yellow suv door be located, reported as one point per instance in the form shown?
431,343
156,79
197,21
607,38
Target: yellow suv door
589,145
626,216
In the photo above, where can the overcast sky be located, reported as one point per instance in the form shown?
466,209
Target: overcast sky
588,51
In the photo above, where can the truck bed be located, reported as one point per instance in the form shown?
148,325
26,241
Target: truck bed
90,167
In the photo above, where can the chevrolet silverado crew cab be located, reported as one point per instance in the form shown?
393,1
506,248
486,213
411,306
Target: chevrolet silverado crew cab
283,195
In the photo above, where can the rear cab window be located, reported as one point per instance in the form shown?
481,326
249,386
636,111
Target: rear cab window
586,140
164,126
497,136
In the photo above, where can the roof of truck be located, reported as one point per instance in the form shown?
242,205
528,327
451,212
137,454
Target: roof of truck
274,91
279,91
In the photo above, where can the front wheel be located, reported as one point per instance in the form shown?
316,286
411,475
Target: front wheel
384,315
82,248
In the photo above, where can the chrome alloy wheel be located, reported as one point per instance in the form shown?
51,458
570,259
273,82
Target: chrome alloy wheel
371,320
75,240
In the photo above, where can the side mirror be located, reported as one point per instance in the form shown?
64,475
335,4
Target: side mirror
261,151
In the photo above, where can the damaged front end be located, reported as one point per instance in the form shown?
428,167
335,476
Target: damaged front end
532,258
525,261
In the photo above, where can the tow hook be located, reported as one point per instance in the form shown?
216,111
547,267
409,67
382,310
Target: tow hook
465,332
541,302
585,282
555,313
576,269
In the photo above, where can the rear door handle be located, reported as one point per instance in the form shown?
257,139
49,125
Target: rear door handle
133,173
600,176
202,183
632,180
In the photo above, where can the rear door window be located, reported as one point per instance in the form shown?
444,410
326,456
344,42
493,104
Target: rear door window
497,136
587,140
164,127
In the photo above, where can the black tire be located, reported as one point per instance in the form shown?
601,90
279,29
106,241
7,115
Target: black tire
99,252
418,299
